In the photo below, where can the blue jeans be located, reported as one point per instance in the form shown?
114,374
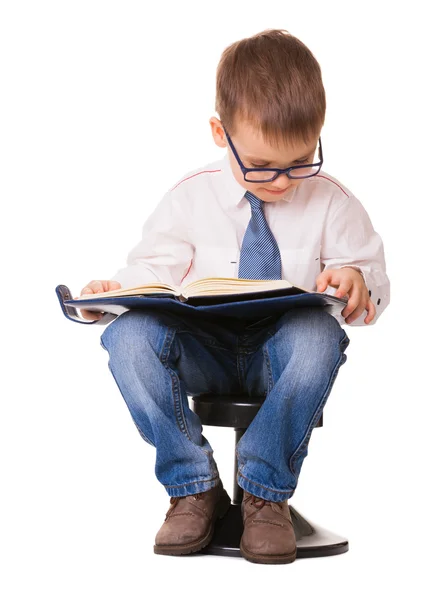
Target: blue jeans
158,358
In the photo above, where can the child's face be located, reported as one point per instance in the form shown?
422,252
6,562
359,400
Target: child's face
255,152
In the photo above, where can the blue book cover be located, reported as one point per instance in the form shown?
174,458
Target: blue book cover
248,300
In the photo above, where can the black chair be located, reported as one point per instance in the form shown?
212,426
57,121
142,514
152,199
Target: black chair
238,412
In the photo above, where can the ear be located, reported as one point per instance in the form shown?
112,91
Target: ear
218,133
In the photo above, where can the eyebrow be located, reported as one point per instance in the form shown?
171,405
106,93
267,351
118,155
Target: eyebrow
268,162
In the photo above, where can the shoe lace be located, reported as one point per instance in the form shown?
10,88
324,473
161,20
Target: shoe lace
175,499
198,496
260,502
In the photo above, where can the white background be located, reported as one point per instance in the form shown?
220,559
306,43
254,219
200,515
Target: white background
103,106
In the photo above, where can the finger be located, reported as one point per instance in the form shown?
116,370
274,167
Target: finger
372,311
112,285
353,303
344,288
323,280
96,285
93,316
86,290
356,313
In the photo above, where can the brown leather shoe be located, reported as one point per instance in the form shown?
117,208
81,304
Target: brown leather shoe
268,535
190,521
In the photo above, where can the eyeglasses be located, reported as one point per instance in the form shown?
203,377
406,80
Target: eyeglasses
296,172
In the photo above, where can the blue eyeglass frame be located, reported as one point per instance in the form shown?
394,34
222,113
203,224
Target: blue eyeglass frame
278,171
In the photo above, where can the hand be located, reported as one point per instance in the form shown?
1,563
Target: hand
94,287
348,281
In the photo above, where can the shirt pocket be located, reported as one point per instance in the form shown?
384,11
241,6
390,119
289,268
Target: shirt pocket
215,261
297,266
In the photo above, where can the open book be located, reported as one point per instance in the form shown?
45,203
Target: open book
246,299
215,294
209,286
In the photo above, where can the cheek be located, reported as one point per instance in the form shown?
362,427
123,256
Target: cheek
238,176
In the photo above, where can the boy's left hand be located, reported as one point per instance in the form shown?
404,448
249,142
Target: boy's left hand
350,282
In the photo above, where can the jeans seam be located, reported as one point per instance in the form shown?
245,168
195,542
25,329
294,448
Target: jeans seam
177,485
164,355
238,364
175,387
264,486
269,369
317,413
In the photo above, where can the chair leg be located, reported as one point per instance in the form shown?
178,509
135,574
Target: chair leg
237,490
311,540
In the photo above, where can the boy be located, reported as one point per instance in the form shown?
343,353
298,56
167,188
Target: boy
265,211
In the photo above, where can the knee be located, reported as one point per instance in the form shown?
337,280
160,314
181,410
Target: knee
311,327
129,330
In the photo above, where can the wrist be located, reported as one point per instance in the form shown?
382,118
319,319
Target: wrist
355,269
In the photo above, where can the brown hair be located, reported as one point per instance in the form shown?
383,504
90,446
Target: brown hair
272,81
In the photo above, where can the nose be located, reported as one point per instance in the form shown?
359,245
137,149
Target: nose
283,180
281,183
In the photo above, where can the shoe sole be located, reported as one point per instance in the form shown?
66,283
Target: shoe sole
220,511
269,559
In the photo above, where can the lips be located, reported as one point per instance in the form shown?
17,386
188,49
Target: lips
276,191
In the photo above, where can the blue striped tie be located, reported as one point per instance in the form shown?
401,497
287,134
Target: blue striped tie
259,256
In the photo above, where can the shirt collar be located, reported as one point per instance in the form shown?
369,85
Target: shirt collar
234,191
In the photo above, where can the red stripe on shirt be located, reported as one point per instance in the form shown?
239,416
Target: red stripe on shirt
199,173
323,177
188,271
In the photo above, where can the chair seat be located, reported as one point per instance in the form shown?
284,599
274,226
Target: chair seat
227,411
236,411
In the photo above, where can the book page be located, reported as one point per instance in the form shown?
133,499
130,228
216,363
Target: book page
209,286
148,288
229,285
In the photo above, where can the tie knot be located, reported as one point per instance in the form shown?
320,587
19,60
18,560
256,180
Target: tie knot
255,202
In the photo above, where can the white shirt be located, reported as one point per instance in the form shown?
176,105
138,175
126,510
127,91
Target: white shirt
197,230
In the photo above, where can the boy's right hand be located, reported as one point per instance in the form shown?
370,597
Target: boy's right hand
95,287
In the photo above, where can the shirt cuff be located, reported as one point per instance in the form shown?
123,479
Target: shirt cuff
378,286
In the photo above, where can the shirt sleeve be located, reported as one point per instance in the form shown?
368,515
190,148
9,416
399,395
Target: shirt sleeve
349,240
163,254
